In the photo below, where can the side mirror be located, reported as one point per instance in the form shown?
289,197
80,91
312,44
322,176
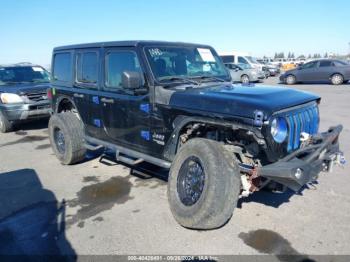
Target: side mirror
131,80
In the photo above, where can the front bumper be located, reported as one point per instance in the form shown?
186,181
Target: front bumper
303,165
20,112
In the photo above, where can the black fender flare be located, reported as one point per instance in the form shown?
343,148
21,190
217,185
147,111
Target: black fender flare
181,122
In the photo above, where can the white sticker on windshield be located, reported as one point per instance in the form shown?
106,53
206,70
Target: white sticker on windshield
37,69
206,54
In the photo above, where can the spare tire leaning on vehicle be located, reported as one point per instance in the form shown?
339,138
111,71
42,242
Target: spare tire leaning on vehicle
204,185
66,133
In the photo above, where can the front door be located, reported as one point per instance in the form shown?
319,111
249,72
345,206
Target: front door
308,72
125,113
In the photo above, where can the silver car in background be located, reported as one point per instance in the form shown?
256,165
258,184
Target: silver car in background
244,73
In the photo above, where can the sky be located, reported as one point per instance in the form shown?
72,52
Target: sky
30,29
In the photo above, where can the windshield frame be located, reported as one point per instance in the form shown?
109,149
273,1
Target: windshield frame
44,72
226,77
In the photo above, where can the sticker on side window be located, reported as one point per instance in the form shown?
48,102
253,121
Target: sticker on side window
37,69
206,54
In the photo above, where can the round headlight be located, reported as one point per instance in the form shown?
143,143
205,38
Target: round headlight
279,129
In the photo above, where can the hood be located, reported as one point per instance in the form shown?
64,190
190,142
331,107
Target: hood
240,100
24,88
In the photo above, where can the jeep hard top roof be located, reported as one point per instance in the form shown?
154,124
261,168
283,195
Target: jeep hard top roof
22,64
133,43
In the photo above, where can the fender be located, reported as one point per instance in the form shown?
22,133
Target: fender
181,122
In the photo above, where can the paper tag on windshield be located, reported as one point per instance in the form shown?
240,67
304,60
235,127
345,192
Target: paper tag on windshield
37,69
206,54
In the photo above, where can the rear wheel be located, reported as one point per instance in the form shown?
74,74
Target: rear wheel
290,80
5,124
204,185
337,79
67,137
245,79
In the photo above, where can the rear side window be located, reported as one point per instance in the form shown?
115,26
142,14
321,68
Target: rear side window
325,63
62,67
116,63
228,58
339,63
87,68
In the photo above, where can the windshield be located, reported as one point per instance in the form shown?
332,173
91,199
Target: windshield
184,62
252,59
23,74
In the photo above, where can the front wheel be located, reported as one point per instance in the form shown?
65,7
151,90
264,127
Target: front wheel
337,79
290,80
245,79
66,134
204,185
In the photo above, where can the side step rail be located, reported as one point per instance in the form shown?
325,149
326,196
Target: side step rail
126,155
128,160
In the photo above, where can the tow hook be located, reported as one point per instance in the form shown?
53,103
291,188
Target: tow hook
336,159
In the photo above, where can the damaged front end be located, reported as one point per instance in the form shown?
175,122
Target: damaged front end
319,153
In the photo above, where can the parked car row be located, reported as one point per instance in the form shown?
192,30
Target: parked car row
247,62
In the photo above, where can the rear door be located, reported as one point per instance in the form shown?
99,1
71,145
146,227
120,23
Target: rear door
326,67
126,113
86,89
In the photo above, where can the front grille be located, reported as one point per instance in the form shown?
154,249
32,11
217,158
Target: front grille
36,97
305,119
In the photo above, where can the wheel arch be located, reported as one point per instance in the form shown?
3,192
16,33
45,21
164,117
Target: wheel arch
182,123
64,103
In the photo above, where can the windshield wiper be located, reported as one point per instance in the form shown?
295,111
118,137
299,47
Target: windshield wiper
210,78
38,81
182,79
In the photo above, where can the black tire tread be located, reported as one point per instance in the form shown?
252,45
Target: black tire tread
221,199
73,131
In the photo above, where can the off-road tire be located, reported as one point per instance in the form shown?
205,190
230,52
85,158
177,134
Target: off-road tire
291,80
245,79
5,124
73,132
337,79
221,187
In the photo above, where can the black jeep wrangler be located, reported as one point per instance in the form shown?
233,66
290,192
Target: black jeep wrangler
173,105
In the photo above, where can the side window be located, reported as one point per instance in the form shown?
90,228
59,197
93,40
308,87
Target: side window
339,63
87,68
62,67
116,63
241,60
325,63
228,59
310,65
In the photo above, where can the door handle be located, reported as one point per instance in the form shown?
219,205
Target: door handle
78,95
107,100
